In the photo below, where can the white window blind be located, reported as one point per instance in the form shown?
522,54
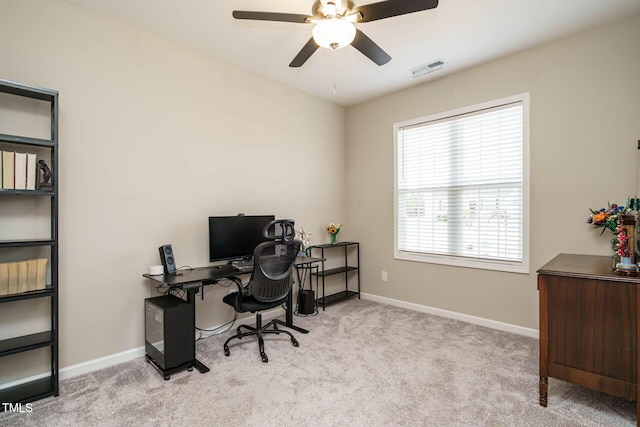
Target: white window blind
460,187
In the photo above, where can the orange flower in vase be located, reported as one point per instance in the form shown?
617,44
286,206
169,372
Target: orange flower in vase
333,229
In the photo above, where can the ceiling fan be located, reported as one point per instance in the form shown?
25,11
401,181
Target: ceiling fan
334,24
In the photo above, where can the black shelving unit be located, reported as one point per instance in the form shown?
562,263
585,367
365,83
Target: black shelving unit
48,385
346,268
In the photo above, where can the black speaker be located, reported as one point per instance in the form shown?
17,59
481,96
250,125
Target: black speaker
168,259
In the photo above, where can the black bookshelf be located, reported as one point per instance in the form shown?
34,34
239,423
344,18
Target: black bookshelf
47,384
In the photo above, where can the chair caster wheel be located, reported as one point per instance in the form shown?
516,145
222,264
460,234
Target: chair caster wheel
167,377
265,359
226,351
238,332
295,342
190,368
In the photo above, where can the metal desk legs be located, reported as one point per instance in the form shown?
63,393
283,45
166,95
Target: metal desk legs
191,299
289,317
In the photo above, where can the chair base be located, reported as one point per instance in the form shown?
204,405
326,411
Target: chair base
259,330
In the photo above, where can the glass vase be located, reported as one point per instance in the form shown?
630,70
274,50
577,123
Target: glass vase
334,238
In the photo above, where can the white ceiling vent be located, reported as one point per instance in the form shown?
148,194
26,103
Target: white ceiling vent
427,68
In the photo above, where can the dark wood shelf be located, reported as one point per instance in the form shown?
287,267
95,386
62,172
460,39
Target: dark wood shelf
332,271
334,245
26,140
337,297
22,243
26,343
40,293
33,92
28,392
4,191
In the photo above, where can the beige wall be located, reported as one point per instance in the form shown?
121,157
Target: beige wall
154,138
585,123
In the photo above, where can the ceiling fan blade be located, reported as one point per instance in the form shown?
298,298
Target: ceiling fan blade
304,54
270,16
389,8
369,49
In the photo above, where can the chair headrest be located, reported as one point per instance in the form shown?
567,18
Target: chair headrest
280,229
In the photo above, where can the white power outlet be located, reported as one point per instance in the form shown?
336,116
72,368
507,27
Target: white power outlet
383,276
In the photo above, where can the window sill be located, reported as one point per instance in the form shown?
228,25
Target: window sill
510,267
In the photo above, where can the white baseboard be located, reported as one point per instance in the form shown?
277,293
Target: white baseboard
488,323
125,356
100,363
81,368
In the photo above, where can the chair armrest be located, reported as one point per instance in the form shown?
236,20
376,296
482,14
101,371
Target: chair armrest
243,291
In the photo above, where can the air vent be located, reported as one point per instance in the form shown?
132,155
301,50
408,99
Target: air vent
427,68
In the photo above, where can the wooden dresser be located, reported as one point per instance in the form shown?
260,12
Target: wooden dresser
588,325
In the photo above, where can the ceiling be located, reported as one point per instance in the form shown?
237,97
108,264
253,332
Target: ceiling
461,33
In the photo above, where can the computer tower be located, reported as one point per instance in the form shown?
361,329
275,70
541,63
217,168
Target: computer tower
169,331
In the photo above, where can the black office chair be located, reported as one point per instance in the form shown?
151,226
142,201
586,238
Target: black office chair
270,282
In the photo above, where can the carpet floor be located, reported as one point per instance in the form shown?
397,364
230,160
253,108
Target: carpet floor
362,364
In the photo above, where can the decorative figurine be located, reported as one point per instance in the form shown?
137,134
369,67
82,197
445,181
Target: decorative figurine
43,183
626,234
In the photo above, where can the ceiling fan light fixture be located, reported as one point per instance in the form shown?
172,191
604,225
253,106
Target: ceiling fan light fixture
334,33
334,24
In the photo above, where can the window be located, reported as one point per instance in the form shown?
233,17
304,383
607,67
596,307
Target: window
461,187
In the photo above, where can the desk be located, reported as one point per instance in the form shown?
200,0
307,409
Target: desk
588,325
192,280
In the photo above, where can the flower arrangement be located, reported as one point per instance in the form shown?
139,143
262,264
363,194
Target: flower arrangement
612,219
304,237
333,229
606,218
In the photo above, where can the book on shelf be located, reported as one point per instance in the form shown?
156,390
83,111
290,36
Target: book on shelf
4,279
23,274
8,162
13,278
32,274
20,171
31,171
41,273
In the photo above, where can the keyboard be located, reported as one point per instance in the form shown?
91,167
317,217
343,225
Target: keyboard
243,266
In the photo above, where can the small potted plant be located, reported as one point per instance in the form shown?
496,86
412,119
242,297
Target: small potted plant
333,229
305,238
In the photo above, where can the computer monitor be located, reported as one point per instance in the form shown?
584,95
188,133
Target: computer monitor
235,237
